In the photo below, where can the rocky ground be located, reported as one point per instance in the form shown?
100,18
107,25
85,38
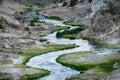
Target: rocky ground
105,24
71,13
14,38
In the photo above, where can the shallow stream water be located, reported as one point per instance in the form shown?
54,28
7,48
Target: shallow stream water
48,60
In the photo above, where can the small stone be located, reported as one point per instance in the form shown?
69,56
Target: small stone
116,65
91,71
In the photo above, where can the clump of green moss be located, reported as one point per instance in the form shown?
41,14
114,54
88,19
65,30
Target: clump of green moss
72,23
58,28
105,66
71,34
36,75
24,10
54,18
100,43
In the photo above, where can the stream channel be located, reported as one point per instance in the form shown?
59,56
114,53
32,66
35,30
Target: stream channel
48,61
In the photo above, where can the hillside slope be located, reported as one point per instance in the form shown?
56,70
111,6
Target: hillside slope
105,23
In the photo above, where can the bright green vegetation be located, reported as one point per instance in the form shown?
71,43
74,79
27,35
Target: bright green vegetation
29,9
99,43
48,48
27,54
94,41
103,63
24,10
32,76
54,18
71,34
97,76
72,23
72,60
35,76
58,28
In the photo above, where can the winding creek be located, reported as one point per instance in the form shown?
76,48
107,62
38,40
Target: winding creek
48,61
